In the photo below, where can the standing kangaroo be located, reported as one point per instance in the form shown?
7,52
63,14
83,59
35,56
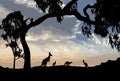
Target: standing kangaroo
47,59
86,65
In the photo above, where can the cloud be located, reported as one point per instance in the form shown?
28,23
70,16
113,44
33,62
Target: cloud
3,11
26,11
69,48
28,3
51,29
47,36
63,37
50,32
58,44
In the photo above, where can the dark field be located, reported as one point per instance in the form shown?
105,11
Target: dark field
104,72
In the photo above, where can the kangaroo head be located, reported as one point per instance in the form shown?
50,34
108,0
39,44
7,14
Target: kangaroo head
50,54
83,60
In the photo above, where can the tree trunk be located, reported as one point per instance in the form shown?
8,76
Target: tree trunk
13,58
14,63
27,60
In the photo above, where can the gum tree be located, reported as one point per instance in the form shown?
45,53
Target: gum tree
11,25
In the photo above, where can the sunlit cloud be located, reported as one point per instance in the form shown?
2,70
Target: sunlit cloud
69,48
56,40
31,38
46,35
38,34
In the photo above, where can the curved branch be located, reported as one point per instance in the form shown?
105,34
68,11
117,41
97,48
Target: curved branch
41,19
82,18
75,13
86,8
66,11
87,20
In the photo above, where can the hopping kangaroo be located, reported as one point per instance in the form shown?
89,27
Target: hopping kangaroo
86,65
67,63
47,59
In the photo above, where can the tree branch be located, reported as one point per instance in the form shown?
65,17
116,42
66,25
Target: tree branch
86,8
87,20
66,11
41,19
82,18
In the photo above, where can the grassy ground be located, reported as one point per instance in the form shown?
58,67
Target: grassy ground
106,71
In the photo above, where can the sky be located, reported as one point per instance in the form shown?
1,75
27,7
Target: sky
65,41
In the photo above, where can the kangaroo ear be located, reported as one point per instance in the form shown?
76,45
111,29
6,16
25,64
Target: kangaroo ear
50,54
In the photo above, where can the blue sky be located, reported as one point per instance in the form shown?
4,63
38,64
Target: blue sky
64,40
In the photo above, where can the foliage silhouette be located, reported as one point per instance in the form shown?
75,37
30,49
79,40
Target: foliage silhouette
16,51
14,27
11,25
50,6
106,22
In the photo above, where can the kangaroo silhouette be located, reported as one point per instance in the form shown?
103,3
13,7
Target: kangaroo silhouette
47,59
67,63
85,63
54,63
